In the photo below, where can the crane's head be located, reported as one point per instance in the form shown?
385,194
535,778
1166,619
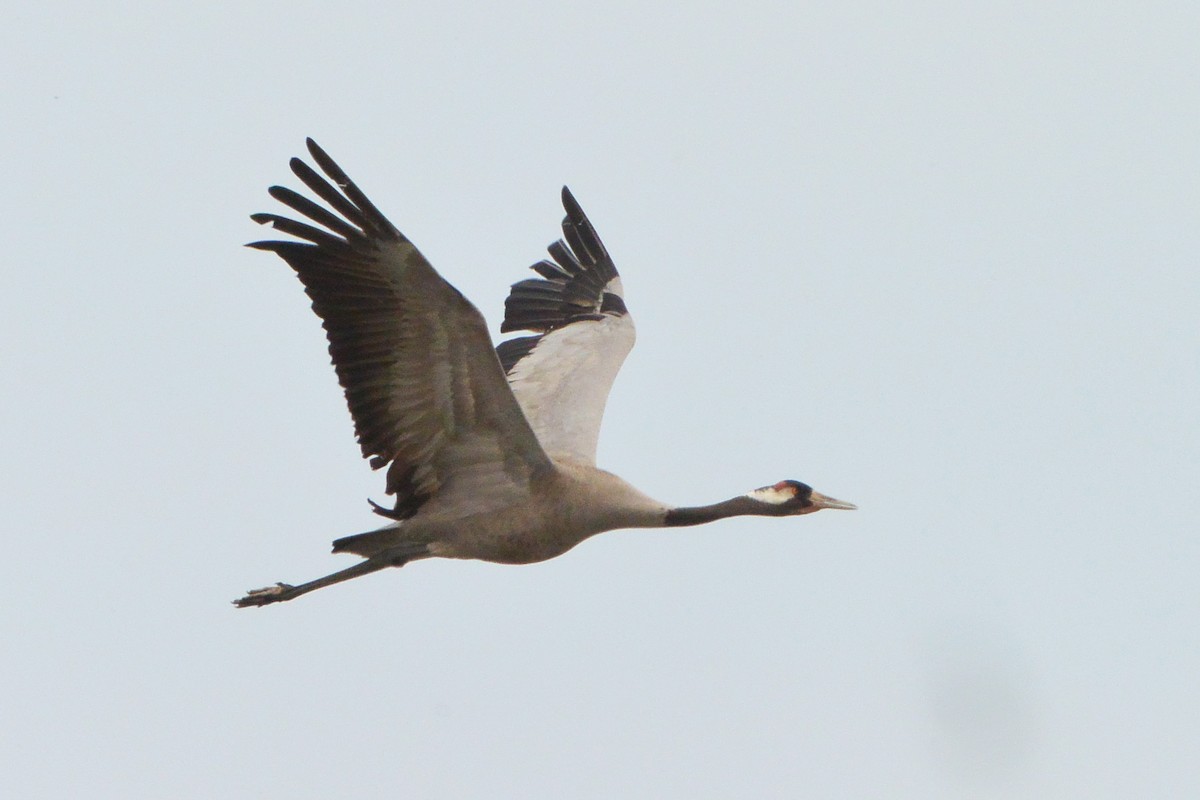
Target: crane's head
793,497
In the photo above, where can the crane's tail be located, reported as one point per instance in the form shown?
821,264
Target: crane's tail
391,540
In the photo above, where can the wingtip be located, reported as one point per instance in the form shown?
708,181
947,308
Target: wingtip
570,204
316,151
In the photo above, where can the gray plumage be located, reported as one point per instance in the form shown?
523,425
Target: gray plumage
489,454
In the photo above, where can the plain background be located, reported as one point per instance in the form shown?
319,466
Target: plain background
938,259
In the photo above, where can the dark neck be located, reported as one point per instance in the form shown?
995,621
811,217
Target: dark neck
737,507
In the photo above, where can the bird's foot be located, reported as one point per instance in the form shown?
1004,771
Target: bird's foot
265,595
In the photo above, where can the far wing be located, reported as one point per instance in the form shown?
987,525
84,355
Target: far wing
562,376
427,395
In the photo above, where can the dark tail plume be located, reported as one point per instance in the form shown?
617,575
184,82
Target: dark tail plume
391,541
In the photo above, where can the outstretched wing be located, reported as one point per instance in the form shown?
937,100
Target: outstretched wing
562,375
428,397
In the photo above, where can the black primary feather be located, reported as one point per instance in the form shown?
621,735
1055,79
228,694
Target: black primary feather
571,287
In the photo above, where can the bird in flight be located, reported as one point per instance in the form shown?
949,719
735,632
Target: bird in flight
490,453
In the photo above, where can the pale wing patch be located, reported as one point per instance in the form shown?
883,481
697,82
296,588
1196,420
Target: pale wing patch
562,385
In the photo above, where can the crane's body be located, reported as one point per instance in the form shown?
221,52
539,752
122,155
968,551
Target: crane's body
573,502
490,454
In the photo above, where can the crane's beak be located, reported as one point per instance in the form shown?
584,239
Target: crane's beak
820,501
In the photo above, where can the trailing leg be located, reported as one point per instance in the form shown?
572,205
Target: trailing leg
282,591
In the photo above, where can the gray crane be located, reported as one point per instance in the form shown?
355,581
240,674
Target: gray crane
490,453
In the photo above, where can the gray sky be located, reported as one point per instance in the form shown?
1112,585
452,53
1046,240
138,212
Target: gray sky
936,259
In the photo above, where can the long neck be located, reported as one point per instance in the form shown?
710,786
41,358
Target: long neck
736,507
